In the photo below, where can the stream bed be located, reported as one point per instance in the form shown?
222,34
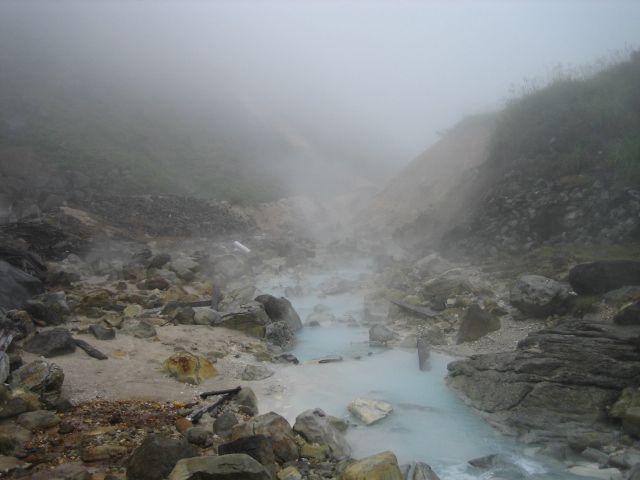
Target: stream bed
428,424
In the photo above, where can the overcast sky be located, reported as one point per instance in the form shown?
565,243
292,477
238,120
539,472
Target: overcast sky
404,69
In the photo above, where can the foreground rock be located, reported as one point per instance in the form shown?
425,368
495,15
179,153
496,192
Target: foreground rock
558,383
383,466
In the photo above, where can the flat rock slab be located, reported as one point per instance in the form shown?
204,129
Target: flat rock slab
369,411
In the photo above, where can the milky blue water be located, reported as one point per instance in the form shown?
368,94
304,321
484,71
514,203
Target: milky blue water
428,423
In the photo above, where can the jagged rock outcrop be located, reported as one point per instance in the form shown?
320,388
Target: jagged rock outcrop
558,382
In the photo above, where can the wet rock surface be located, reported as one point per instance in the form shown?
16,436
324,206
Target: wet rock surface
558,382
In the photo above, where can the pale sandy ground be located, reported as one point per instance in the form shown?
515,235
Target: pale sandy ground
138,374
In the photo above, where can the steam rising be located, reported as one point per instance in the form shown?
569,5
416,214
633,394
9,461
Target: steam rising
363,84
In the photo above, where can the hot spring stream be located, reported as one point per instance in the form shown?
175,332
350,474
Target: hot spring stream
428,423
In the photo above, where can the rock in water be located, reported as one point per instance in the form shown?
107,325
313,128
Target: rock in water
369,411
383,466
380,333
476,324
281,335
280,309
539,296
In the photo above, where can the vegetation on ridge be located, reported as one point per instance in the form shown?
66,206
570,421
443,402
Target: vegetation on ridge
576,123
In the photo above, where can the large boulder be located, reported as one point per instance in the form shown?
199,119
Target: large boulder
52,343
235,466
275,426
16,287
539,296
280,309
156,457
559,382
315,426
476,324
603,276
382,466
249,318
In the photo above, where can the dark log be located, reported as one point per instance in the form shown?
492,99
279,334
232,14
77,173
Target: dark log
91,351
330,360
422,311
220,392
423,354
195,418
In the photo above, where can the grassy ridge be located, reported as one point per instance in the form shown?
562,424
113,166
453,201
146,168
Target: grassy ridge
572,124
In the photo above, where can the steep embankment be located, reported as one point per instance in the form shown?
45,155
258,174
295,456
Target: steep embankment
423,185
561,165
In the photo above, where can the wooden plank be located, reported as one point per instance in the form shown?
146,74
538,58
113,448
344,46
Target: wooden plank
422,311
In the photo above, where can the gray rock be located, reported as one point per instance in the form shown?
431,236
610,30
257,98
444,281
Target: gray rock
141,330
205,316
102,332
629,315
315,426
600,277
197,435
52,343
369,411
223,467
422,471
247,400
249,318
16,287
256,372
39,377
280,309
38,420
557,383
275,426
476,324
156,457
39,310
380,333
539,296
223,424
281,335
259,447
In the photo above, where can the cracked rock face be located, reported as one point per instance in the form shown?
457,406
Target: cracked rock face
558,382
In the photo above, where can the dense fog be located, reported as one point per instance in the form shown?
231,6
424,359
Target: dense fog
369,83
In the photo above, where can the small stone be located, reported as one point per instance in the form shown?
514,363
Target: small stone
197,435
182,425
38,420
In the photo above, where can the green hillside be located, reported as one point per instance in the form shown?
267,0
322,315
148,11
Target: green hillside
574,124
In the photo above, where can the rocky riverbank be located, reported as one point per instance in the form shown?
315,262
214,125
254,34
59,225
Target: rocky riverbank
175,318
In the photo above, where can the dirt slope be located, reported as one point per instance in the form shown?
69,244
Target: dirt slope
422,184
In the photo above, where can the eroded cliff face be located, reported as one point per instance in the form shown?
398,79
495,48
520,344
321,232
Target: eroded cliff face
433,184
